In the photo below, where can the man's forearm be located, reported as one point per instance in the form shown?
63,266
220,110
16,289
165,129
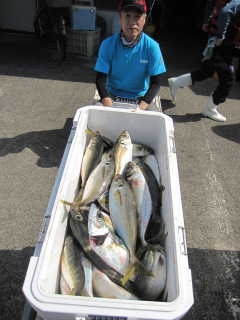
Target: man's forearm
101,80
153,89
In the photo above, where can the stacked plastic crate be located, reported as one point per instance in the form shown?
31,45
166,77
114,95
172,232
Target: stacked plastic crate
84,37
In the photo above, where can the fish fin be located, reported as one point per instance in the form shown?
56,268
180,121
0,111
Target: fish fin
72,292
75,204
91,132
131,272
128,275
66,202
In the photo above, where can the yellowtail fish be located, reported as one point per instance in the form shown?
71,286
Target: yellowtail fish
99,180
142,195
122,152
150,286
123,212
91,157
72,274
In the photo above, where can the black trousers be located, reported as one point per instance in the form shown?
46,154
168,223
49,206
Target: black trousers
225,72
237,54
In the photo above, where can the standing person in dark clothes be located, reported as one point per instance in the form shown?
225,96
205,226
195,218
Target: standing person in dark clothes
210,25
218,15
225,17
129,63
212,12
219,64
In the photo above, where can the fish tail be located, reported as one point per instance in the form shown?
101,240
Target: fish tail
66,202
76,204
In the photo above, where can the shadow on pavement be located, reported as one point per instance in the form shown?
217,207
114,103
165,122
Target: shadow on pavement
49,145
188,117
230,131
167,104
216,281
13,266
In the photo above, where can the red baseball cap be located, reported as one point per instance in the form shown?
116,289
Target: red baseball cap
128,4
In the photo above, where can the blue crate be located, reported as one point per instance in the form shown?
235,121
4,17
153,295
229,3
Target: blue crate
83,18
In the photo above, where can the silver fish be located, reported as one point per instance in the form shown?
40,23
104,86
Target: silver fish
141,150
87,290
104,287
106,243
99,179
142,195
150,286
151,161
72,274
155,232
123,212
111,251
103,201
122,152
91,157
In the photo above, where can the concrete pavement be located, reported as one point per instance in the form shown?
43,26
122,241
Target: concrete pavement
38,99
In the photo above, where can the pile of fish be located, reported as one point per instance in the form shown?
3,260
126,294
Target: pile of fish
115,239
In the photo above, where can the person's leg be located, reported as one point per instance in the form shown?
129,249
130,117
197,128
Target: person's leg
178,82
205,71
236,54
226,78
237,73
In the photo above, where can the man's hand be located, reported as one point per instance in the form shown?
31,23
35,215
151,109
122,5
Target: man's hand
107,102
143,105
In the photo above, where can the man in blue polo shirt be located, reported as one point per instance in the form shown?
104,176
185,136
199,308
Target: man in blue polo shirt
129,63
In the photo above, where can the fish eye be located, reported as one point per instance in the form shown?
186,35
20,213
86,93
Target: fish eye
79,217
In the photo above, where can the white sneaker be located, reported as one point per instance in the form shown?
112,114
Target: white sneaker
210,111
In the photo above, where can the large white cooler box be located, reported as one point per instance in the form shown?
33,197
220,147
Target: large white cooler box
42,278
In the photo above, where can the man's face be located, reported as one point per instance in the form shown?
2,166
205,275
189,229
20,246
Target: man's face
132,23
